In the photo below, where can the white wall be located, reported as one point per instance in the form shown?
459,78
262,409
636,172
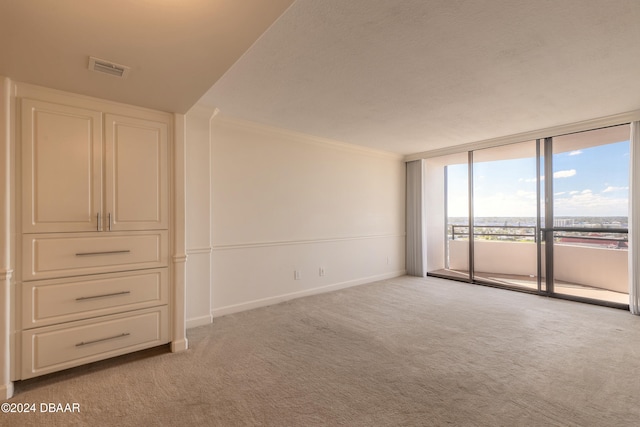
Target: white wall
597,267
490,256
585,265
198,216
284,202
435,208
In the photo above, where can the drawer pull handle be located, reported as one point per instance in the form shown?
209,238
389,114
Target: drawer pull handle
103,253
124,334
103,295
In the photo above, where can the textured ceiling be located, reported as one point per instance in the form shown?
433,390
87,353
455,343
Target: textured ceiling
176,49
414,75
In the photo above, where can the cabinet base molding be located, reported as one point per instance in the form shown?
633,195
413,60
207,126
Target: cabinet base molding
6,391
179,345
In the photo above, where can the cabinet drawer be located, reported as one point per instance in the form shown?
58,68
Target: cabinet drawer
48,256
53,348
46,302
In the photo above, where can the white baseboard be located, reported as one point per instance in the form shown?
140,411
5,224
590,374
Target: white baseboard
6,391
180,345
236,308
199,321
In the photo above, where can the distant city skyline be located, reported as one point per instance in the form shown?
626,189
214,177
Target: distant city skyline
531,220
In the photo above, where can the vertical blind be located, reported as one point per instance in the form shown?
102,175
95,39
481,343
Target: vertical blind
634,219
416,235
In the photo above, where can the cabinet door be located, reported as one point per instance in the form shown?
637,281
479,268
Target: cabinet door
137,174
61,168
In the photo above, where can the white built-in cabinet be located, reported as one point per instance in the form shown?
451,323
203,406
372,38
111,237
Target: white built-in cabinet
94,279
88,171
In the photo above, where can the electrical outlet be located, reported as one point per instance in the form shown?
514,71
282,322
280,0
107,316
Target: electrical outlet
296,275
321,271
387,260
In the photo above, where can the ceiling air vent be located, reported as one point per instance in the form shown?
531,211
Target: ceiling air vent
108,67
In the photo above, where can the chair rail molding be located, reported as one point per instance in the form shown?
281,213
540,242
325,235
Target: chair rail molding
310,241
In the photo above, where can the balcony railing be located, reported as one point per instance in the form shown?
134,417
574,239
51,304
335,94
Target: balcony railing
580,257
488,231
587,236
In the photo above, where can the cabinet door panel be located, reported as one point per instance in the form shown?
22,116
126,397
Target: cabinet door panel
136,174
61,167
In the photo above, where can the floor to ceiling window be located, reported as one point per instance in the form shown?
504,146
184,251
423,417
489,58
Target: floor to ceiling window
505,215
547,216
457,236
590,208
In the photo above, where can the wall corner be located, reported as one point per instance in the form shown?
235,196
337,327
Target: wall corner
179,259
6,233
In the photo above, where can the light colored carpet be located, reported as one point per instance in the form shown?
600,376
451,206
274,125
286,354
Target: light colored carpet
400,352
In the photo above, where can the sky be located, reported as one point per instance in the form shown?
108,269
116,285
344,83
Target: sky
592,181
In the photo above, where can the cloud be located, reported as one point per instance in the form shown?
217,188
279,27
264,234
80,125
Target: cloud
575,153
589,203
519,203
564,174
523,203
611,189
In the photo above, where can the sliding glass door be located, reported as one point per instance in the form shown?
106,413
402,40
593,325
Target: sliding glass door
546,216
505,215
457,216
590,188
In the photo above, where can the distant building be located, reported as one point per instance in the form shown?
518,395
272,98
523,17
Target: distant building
563,222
